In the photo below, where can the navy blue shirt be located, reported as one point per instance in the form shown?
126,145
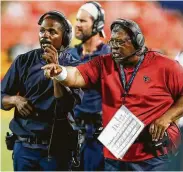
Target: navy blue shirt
91,102
26,79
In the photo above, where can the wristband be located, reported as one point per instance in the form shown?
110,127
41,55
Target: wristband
63,75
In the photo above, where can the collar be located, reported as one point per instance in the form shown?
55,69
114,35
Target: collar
95,53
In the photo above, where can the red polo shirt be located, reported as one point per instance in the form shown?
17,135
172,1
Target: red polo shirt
156,86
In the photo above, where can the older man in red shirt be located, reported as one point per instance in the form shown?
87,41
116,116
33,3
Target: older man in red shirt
147,83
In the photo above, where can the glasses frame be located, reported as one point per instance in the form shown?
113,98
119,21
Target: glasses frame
117,43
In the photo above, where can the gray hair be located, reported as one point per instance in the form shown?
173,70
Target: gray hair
117,28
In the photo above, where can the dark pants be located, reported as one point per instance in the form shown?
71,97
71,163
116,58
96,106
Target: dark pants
91,152
154,164
92,156
28,159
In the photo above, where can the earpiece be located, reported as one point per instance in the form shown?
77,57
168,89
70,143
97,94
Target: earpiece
99,22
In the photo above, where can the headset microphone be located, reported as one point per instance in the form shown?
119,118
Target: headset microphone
126,57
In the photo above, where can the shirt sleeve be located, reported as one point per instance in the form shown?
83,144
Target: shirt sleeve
10,83
175,80
91,71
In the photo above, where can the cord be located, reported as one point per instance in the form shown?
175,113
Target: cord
52,131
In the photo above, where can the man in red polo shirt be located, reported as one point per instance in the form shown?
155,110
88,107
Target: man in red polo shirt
146,82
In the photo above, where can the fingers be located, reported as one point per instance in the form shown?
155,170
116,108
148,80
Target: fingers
29,107
25,109
154,134
23,106
158,134
51,70
50,54
162,133
55,69
157,131
48,58
151,129
48,66
22,112
47,73
50,48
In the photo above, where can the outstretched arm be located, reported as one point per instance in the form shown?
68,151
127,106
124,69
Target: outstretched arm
68,76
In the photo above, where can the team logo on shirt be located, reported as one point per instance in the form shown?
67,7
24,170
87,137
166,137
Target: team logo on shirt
146,79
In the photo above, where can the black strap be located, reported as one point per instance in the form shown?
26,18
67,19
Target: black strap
127,86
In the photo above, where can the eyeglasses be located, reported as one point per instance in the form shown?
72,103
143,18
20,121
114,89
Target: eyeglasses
117,43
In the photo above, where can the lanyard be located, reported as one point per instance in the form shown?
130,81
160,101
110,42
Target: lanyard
127,86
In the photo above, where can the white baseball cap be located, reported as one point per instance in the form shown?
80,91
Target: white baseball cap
94,12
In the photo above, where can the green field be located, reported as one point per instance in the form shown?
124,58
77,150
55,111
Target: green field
6,155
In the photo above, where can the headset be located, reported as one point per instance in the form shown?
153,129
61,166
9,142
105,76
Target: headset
98,24
136,35
67,35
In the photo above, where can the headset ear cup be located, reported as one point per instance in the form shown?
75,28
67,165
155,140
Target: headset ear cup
140,40
95,27
67,37
100,25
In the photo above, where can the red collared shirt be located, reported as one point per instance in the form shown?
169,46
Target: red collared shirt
156,86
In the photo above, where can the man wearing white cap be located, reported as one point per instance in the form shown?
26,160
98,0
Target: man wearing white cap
89,29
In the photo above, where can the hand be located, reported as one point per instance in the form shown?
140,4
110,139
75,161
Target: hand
50,54
51,70
23,106
158,127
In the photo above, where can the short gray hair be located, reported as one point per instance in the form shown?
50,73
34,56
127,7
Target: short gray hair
117,28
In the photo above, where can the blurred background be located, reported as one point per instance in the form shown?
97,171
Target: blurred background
161,23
